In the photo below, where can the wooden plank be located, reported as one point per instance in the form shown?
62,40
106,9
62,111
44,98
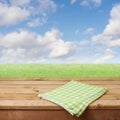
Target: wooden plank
19,90
111,91
33,95
56,82
39,104
18,96
57,79
58,115
46,86
29,86
27,91
110,97
45,105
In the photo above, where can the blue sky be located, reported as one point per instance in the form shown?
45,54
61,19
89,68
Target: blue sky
59,31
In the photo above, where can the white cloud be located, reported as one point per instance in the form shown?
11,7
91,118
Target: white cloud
84,42
24,46
40,10
22,39
110,37
16,55
63,49
37,22
41,7
15,11
46,5
90,2
115,43
12,14
72,1
59,48
89,30
109,54
114,22
111,34
13,53
19,2
98,2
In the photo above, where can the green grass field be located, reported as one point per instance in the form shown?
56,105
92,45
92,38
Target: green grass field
59,70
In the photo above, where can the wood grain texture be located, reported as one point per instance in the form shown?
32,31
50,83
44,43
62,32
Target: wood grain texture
19,100
58,115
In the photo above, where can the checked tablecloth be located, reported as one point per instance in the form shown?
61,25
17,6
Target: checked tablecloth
74,96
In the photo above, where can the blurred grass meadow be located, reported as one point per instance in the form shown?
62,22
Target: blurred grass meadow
59,70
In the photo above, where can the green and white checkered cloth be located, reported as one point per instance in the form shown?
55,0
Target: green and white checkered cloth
74,96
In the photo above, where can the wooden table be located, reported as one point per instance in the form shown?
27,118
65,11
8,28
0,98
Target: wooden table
19,101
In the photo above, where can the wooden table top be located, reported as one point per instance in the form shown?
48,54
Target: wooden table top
22,93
